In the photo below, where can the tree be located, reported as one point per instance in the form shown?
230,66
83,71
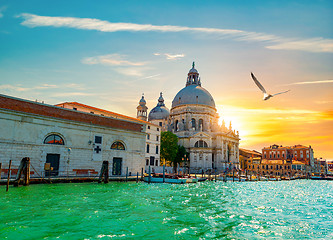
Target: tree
180,157
169,146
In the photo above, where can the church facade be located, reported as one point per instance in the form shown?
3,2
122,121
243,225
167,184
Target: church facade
194,119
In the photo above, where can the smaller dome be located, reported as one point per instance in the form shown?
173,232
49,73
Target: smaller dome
193,70
142,101
160,111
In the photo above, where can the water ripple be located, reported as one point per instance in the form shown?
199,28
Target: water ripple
209,210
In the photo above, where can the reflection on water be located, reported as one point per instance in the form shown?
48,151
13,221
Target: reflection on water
209,210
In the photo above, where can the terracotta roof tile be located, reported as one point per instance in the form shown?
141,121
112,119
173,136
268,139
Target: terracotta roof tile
26,106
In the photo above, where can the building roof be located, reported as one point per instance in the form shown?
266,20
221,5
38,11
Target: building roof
254,152
41,109
299,146
113,114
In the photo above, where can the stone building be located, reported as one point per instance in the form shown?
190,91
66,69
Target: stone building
75,143
247,156
194,119
280,161
297,152
153,131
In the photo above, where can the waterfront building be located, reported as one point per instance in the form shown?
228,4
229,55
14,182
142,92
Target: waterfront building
153,131
194,119
284,161
296,152
278,168
74,141
246,157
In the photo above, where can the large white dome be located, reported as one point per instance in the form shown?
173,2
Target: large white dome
193,94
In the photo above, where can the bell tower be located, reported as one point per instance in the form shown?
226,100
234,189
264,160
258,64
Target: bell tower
141,110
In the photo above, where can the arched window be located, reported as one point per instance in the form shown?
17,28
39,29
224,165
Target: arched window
201,124
176,126
118,146
54,139
193,123
200,144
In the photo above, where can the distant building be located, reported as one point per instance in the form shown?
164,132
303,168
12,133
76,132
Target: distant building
329,167
247,157
297,152
73,140
283,161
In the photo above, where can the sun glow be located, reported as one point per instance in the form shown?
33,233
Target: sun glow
231,115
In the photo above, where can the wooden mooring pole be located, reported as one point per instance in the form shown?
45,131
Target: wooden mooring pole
126,173
10,165
104,174
163,173
137,177
141,174
25,170
26,173
149,175
0,169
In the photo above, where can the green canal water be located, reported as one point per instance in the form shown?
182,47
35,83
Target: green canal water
301,209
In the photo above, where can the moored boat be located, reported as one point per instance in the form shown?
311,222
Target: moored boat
169,178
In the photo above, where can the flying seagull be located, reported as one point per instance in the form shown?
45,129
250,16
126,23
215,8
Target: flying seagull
266,95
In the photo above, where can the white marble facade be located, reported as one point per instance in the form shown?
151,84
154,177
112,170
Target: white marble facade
194,119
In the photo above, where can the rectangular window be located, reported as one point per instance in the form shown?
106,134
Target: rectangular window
156,163
160,123
156,149
152,160
147,148
157,138
148,136
158,129
148,127
147,162
98,139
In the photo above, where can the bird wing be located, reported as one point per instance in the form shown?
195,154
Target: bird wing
258,83
280,93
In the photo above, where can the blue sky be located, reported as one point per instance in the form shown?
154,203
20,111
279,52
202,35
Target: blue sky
107,53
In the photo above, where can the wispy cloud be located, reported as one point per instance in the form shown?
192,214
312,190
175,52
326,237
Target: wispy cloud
2,9
110,60
323,102
171,56
66,94
271,41
19,88
312,82
119,62
152,76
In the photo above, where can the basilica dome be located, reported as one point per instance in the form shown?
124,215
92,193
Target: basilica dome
193,93
160,111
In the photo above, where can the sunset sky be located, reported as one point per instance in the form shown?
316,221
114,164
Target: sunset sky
107,53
